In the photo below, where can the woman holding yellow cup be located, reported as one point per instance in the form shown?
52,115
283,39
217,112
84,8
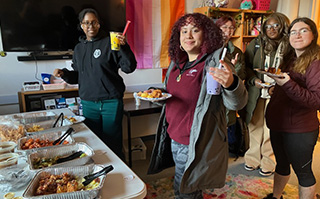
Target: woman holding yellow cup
101,87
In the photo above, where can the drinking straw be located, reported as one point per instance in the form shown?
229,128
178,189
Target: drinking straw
126,28
222,57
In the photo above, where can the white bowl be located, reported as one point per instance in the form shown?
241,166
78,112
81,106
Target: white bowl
7,147
8,159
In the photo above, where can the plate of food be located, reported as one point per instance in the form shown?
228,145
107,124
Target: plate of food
153,95
272,72
266,84
75,119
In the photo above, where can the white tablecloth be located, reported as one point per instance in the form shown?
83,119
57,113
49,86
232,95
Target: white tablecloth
122,182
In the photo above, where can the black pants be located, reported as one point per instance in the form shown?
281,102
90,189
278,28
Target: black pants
295,149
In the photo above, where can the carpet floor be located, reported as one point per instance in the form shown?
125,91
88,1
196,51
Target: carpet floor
237,187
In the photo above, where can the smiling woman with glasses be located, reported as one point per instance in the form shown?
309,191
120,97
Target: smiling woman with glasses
264,52
292,112
227,24
92,23
302,31
101,88
275,26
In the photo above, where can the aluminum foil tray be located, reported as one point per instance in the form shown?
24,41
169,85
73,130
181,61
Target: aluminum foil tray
51,136
46,125
79,171
32,117
62,151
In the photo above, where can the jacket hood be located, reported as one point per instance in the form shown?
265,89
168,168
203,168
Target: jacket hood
101,34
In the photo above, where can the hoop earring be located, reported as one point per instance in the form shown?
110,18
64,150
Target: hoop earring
181,48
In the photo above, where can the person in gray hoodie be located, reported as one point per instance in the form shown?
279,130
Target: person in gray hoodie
192,131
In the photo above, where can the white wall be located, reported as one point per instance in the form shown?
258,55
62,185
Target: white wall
13,73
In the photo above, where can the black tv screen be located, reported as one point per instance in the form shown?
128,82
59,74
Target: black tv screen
52,25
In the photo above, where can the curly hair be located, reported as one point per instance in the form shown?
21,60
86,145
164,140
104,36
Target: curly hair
312,52
212,35
271,45
224,19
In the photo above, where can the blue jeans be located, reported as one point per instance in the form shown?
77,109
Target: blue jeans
180,157
104,118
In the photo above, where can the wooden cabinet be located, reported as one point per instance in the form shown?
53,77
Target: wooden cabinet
244,19
32,100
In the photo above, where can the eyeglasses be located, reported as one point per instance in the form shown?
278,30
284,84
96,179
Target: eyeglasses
302,31
275,26
87,23
227,27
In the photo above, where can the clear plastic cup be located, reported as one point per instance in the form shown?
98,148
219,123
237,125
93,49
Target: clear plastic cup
115,42
213,87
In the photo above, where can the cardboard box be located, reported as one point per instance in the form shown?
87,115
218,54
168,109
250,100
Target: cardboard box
138,149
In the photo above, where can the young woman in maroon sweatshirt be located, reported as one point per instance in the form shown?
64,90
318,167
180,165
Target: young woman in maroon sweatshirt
292,112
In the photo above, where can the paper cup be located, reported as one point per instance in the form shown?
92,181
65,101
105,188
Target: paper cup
115,42
46,78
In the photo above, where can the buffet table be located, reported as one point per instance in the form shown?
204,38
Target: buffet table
122,182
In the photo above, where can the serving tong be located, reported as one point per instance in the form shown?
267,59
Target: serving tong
70,157
61,116
91,177
63,137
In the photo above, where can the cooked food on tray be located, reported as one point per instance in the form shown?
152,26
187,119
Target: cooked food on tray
11,132
270,70
43,162
35,128
37,143
150,93
71,119
51,184
274,70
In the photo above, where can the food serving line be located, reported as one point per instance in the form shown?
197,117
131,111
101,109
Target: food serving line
121,182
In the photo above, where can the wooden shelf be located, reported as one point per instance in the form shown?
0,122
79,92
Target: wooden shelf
26,97
242,17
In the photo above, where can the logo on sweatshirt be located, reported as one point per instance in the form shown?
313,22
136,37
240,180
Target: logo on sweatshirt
190,73
97,53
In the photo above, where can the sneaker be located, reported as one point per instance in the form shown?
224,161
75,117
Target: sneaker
265,173
248,168
270,196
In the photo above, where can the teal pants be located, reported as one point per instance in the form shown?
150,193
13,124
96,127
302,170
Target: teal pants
104,118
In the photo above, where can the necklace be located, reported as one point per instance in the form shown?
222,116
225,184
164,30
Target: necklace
186,66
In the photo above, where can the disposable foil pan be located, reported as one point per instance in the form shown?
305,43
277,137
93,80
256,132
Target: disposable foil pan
46,125
51,136
32,117
62,151
79,171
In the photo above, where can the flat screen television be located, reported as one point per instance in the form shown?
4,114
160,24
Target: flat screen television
52,25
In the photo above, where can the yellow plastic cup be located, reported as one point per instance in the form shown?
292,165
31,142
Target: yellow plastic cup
115,42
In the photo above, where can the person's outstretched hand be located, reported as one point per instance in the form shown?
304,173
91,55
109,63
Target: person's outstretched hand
235,59
58,72
281,80
224,75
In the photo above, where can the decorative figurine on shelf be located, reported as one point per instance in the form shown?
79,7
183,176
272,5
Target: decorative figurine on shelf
206,3
246,5
220,3
257,26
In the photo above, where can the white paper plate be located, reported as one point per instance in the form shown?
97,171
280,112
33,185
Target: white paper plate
267,73
164,97
266,85
77,119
